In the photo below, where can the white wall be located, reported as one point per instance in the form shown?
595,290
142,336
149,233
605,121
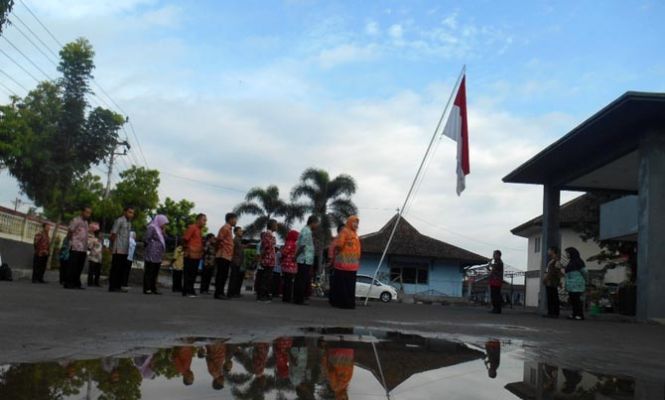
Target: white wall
532,290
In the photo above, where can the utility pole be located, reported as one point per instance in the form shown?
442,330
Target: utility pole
17,203
126,146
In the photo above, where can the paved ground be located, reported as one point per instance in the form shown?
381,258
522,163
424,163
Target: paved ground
44,322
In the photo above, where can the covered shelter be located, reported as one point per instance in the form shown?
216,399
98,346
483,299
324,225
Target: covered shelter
620,149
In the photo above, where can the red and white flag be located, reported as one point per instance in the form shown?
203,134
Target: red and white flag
457,129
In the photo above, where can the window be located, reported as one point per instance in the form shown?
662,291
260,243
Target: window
364,279
537,245
410,273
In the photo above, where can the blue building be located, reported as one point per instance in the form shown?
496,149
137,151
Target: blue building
416,263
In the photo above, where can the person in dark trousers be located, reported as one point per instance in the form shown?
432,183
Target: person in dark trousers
305,259
95,249
209,251
63,258
276,287
78,241
347,262
576,279
155,246
496,281
120,233
41,244
237,273
267,262
552,281
224,255
193,249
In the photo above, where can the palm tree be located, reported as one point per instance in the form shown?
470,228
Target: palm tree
265,204
328,199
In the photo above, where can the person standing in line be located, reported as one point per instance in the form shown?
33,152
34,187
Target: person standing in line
289,265
41,244
155,246
120,249
131,252
95,249
305,259
576,279
347,263
267,262
496,281
178,265
224,255
193,248
552,281
209,251
237,273
78,239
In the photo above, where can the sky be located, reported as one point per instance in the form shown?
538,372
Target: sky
233,95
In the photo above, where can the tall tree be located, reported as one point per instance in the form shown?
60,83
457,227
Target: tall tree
180,214
329,199
265,204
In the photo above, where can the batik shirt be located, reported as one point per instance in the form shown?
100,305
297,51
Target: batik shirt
122,229
79,231
268,243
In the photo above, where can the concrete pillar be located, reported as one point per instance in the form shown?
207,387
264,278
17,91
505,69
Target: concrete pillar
651,227
550,235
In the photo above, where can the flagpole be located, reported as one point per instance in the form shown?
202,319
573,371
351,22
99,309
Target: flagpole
413,184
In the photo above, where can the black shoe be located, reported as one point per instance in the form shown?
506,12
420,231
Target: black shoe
221,297
42,281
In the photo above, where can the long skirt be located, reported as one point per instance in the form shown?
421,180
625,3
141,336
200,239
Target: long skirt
343,289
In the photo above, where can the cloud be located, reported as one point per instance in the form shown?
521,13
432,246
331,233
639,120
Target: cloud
346,53
372,28
396,31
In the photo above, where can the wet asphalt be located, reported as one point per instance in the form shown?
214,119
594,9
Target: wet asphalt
46,322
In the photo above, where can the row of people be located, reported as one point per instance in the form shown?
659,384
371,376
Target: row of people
223,253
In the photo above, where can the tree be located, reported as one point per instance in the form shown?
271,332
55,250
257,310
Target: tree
138,189
5,8
179,214
51,141
86,190
265,204
328,199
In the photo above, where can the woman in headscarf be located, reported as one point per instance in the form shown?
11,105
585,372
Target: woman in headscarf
576,278
289,265
155,246
347,262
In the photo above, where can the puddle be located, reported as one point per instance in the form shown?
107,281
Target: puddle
318,364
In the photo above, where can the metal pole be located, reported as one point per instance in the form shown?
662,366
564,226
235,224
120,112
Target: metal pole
415,180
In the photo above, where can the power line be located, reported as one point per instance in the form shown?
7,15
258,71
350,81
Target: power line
33,43
203,182
19,65
13,80
27,58
131,126
35,35
9,91
40,23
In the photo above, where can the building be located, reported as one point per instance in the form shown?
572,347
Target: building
571,215
619,150
416,263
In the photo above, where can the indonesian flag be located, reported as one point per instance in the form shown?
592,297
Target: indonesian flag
457,129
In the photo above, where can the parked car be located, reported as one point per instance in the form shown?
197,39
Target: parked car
379,290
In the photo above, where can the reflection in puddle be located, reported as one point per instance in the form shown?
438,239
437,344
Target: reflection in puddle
320,364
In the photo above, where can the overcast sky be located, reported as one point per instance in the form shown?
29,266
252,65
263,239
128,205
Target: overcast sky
250,93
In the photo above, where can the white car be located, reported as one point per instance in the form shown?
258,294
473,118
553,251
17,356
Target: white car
378,290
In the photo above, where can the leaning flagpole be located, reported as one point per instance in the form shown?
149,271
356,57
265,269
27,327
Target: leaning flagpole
415,180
